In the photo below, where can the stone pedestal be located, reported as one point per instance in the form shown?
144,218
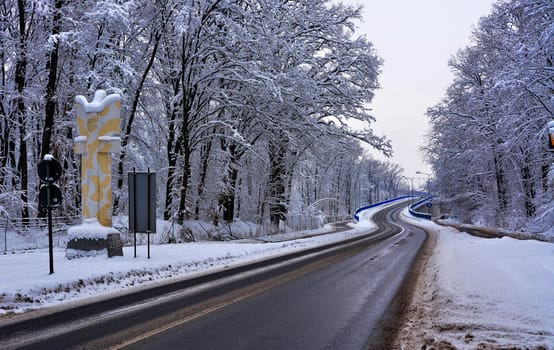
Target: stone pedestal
93,239
114,245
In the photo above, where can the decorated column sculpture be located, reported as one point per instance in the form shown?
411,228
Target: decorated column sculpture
98,136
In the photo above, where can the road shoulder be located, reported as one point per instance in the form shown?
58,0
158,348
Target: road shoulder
416,300
477,293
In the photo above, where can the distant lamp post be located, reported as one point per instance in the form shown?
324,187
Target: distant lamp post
371,191
428,181
411,179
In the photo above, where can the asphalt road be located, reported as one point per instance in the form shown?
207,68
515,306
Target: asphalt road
339,305
338,298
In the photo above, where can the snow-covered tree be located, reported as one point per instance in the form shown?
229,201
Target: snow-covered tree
237,104
487,140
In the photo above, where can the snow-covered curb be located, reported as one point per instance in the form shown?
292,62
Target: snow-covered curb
481,293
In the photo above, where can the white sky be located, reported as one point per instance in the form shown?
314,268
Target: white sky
416,39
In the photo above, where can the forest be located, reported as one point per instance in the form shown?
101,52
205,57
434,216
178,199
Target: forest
487,143
243,108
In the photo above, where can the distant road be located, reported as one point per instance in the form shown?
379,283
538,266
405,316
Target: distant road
339,298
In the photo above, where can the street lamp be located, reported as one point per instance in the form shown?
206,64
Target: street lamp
371,188
411,187
428,181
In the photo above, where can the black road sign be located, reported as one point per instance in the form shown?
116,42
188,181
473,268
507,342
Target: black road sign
142,202
142,205
49,170
50,195
55,196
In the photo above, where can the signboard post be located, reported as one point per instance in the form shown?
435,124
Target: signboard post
50,195
142,205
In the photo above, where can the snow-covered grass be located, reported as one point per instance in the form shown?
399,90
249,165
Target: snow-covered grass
19,238
479,293
25,283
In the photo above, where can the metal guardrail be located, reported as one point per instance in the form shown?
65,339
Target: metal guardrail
412,208
357,218
418,214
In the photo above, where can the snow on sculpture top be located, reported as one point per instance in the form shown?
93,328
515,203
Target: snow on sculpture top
98,135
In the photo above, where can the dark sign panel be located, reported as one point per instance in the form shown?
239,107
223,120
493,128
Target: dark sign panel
55,196
142,202
49,170
50,196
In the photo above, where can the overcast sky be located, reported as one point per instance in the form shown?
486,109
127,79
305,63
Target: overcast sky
416,38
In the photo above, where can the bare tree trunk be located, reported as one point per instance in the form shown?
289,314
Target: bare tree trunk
277,185
204,160
172,155
5,123
529,190
262,195
347,193
132,114
228,197
7,146
20,72
499,175
186,174
52,67
173,147
184,137
544,176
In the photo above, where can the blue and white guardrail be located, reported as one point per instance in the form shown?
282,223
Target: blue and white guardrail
417,204
357,218
412,209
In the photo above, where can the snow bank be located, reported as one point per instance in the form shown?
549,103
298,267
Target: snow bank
493,292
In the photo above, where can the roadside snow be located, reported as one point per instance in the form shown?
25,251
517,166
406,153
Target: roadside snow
26,285
481,293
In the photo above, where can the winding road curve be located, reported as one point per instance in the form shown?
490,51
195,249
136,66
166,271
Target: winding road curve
342,296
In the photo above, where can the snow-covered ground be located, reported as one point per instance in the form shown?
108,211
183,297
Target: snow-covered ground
478,293
25,282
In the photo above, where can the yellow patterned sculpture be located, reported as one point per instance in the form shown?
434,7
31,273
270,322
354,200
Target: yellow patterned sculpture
98,129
